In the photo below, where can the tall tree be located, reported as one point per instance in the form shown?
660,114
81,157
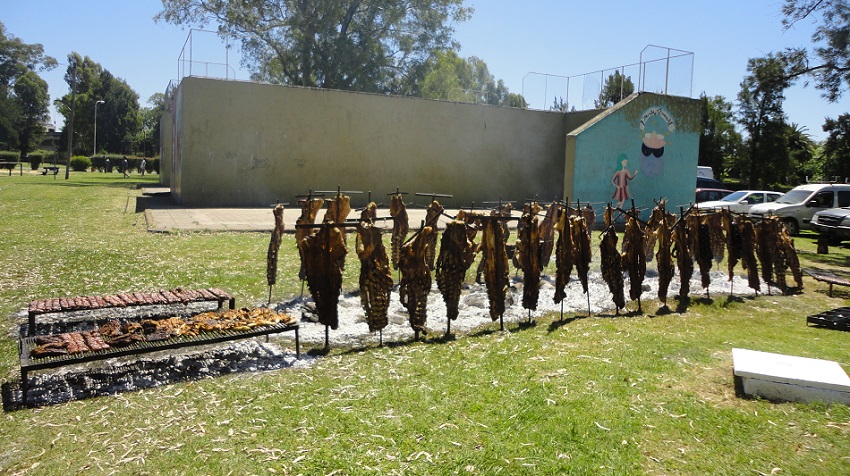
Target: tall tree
719,142
615,88
31,94
452,78
801,153
353,44
118,119
829,63
836,148
17,59
762,117
150,124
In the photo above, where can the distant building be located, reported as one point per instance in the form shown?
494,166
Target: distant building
50,141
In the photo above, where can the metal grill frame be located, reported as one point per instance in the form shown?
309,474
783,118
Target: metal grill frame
29,364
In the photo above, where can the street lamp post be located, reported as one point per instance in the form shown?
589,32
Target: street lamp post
94,149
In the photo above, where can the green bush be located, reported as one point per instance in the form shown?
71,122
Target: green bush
153,165
9,156
80,163
37,157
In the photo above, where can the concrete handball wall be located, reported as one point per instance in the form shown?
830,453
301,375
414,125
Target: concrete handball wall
248,144
656,135
166,145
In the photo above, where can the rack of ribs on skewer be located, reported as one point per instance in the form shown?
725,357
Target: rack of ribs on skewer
324,251
457,251
376,281
400,226
274,245
415,279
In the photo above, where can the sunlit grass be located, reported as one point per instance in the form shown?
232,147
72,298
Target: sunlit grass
646,394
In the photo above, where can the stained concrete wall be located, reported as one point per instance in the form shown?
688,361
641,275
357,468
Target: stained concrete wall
248,144
633,130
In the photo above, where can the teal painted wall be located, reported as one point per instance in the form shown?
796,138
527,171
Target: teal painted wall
657,135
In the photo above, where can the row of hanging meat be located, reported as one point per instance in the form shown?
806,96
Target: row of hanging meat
675,240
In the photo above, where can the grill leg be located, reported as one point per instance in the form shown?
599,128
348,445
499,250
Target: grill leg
297,346
24,385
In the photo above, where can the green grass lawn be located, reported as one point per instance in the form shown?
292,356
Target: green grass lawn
648,394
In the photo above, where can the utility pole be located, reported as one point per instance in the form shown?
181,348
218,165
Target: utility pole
73,105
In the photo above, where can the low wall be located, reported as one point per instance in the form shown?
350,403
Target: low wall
247,144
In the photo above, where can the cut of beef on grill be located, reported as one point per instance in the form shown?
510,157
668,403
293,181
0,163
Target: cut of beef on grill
376,281
664,256
546,230
634,259
400,227
432,214
611,267
309,209
457,253
528,255
683,258
564,255
323,253
415,279
582,254
495,260
274,245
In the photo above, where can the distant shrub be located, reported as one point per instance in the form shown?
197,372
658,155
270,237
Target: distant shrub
9,156
37,157
153,165
80,163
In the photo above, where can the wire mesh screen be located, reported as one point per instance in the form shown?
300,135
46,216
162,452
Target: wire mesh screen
660,70
202,55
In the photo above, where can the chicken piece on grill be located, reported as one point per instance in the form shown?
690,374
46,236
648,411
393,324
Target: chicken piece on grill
495,260
415,279
456,255
564,255
699,244
581,245
528,256
747,231
376,280
400,226
664,256
432,214
323,252
274,245
684,262
309,210
612,267
634,258
546,230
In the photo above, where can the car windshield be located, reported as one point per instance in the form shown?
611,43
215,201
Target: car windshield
734,197
794,196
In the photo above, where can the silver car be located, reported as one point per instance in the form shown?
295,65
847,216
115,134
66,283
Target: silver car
741,201
833,223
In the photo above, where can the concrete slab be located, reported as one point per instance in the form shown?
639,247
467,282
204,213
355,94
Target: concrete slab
781,377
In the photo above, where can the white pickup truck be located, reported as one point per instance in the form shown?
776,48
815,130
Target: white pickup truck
797,207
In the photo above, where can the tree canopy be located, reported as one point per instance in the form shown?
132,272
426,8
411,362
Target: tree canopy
118,119
452,78
615,88
829,63
719,142
23,94
375,46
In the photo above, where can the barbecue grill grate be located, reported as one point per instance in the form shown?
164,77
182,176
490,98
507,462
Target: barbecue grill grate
838,319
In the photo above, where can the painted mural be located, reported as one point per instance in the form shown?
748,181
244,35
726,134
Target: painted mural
645,149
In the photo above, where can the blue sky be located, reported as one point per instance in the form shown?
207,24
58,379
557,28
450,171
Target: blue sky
514,38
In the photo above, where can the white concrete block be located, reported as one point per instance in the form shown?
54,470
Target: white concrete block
780,377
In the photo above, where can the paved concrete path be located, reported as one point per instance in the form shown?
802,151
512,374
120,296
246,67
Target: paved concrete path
165,217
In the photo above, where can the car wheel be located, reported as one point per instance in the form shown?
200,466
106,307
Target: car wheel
792,226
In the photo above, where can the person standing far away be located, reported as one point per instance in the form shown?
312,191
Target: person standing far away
106,166
124,166
142,167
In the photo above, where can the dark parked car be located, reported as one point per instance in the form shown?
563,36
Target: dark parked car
711,194
705,182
